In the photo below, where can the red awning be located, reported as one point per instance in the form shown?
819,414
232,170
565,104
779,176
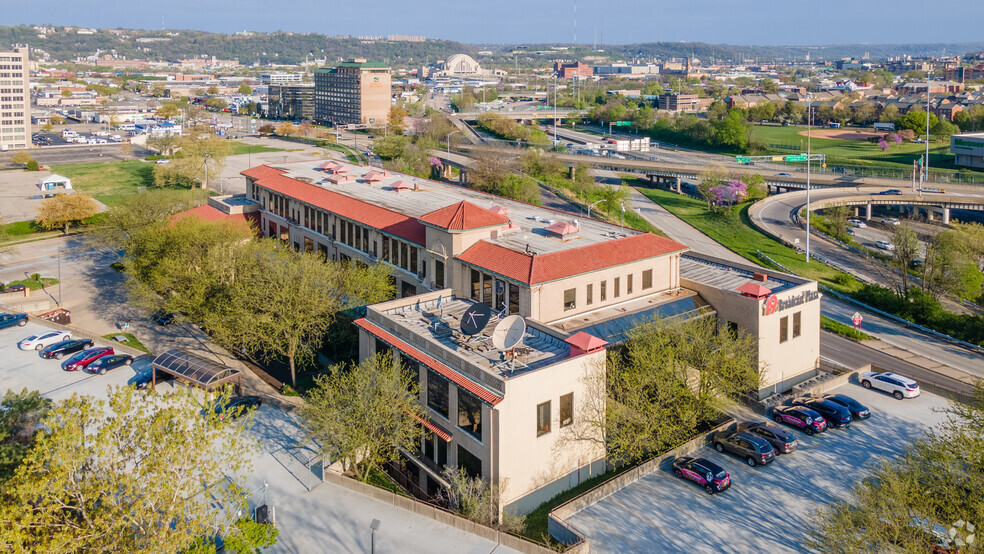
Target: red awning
445,436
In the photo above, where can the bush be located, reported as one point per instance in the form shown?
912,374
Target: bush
32,165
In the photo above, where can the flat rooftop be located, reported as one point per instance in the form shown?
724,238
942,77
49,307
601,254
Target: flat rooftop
432,195
728,277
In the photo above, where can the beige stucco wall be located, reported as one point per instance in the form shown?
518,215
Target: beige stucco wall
375,92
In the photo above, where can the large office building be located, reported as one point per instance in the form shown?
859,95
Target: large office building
580,285
968,149
15,100
355,92
291,101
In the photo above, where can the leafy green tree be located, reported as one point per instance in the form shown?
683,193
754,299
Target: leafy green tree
611,199
126,221
837,218
943,129
712,176
139,472
889,114
168,110
20,422
915,120
157,90
950,267
732,131
64,210
390,147
21,157
244,89
216,103
212,90
364,414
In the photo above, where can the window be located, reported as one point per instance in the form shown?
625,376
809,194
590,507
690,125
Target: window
567,409
411,368
404,255
647,279
543,418
628,284
469,462
386,249
439,274
797,327
513,298
470,413
487,290
570,296
358,238
413,259
382,347
437,393
783,329
733,328
618,286
365,239
588,296
476,285
604,290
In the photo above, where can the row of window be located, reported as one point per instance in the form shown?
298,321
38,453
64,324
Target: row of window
543,414
784,327
570,295
498,293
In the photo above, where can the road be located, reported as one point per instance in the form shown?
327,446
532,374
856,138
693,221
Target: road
81,153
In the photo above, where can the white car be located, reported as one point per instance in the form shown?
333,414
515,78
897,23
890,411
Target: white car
857,223
890,220
885,245
42,340
900,387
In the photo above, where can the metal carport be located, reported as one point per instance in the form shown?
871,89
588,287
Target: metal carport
196,370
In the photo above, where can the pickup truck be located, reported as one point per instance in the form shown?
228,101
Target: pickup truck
11,320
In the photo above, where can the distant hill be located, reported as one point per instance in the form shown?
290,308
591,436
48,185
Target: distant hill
292,48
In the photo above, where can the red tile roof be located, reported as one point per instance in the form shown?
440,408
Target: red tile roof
445,436
541,268
585,341
463,216
452,375
367,214
209,213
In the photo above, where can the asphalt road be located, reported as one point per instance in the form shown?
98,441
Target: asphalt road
81,153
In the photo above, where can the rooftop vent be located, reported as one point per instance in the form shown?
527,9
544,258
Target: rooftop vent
760,277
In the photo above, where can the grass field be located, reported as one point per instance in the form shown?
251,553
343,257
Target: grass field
736,233
108,182
34,285
131,341
243,148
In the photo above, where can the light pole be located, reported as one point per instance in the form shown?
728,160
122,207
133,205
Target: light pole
593,205
926,165
555,109
373,527
809,122
447,140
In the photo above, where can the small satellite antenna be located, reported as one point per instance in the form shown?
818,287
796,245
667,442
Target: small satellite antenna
508,333
475,318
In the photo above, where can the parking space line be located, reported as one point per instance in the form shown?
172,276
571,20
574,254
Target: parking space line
609,529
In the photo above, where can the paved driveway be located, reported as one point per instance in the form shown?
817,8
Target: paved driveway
769,508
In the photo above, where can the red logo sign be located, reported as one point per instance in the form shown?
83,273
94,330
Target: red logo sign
771,305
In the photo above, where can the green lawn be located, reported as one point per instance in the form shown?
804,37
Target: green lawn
842,329
131,341
243,148
736,233
19,228
108,182
34,285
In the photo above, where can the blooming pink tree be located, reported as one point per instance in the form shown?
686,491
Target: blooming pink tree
896,138
730,193
882,143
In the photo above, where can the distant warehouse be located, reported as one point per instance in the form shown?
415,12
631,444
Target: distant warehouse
968,149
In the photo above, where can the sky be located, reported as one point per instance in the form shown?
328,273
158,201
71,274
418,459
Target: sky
757,22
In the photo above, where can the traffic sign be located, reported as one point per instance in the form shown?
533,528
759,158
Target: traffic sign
622,123
857,319
796,158
743,159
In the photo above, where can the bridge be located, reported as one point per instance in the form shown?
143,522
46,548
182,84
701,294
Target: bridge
519,115
931,203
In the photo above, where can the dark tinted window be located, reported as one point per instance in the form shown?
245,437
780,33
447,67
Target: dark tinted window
469,462
470,413
437,393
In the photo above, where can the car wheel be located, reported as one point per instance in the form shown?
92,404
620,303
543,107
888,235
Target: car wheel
808,430
866,384
128,362
678,474
709,489
58,356
777,419
102,371
778,452
22,323
39,347
898,395
719,447
751,461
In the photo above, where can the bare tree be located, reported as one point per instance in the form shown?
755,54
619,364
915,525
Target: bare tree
906,245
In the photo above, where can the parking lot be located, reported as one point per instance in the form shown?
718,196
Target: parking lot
768,509
26,369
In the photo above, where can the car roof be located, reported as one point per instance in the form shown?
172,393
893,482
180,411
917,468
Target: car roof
905,380
756,440
766,425
707,464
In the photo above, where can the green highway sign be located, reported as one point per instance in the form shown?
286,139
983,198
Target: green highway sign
743,159
622,123
796,158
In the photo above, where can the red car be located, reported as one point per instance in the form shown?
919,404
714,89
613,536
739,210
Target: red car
86,357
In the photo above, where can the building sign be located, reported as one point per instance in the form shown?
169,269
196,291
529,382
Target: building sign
774,304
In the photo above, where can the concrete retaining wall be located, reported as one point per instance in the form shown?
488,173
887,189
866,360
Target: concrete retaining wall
440,515
566,533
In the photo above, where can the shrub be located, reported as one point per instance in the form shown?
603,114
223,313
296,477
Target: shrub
32,165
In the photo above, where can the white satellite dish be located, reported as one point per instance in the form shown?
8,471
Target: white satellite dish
508,333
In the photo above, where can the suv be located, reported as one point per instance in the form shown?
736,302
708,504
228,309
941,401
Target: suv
781,440
754,449
857,409
801,418
703,472
900,387
836,414
857,223
9,320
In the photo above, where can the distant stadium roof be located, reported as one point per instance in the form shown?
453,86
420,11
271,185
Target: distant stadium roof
197,370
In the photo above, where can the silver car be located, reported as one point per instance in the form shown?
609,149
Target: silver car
42,340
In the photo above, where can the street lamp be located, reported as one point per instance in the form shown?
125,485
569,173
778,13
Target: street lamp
447,140
373,527
809,122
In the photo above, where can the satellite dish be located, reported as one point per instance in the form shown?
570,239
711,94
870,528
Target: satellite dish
475,318
508,333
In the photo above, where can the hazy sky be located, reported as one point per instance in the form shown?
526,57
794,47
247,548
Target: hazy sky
793,22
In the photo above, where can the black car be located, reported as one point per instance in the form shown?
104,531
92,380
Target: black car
144,381
782,440
755,450
800,417
857,409
703,472
237,406
60,349
836,414
889,192
109,363
163,317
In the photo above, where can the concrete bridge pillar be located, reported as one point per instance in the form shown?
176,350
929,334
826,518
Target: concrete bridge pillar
867,212
857,211
462,177
946,216
572,173
930,212
678,185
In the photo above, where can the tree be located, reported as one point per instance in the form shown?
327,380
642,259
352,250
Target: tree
837,218
889,114
244,89
158,90
950,267
137,472
710,177
168,110
20,422
611,199
123,223
212,90
65,209
390,147
125,149
896,507
216,104
863,113
282,302
732,131
906,248
305,129
478,500
201,156
364,414
915,120
66,93
165,144
266,129
397,116
21,157
943,129
286,129
56,119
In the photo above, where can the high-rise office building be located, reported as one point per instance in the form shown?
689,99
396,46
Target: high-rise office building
15,100
291,101
354,92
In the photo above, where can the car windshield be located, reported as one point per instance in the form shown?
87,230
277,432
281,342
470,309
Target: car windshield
32,337
721,474
78,356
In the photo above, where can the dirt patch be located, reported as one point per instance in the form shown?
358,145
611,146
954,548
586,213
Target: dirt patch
842,134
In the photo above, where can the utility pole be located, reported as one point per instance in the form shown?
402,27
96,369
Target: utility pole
809,123
926,165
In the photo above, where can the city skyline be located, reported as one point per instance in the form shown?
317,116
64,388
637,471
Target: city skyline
510,21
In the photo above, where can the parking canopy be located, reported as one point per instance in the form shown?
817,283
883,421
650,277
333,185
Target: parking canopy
195,369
